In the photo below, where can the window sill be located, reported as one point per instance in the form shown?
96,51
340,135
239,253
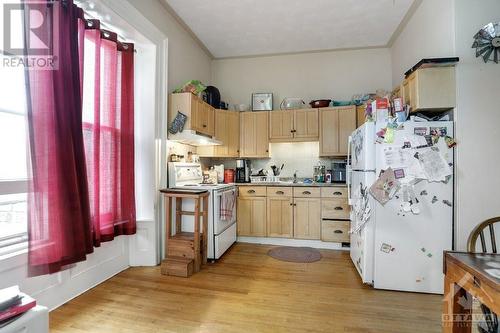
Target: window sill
16,256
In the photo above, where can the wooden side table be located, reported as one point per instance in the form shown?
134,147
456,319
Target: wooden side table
182,244
468,275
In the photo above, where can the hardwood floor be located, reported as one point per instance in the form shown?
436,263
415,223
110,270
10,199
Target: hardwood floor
247,291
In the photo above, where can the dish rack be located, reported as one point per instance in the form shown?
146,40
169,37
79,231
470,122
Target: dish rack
264,179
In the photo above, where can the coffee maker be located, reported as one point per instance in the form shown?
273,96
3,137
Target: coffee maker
242,171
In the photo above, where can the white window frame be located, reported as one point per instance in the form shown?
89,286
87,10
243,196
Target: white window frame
17,242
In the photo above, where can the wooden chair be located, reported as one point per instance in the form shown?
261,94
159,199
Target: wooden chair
479,232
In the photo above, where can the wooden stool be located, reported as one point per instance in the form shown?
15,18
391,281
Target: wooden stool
185,245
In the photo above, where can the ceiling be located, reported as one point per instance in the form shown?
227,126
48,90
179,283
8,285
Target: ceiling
232,28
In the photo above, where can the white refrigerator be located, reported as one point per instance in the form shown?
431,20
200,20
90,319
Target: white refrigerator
392,248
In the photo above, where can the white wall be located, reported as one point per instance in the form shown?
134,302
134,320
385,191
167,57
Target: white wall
428,34
186,59
336,74
477,121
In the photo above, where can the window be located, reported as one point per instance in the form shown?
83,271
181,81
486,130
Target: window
13,151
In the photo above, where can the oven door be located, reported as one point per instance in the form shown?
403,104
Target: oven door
219,224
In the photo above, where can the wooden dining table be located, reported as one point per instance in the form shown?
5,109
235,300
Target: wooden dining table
469,275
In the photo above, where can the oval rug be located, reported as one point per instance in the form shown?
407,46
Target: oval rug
295,254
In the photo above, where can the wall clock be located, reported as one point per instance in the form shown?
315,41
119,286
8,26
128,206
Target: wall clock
487,42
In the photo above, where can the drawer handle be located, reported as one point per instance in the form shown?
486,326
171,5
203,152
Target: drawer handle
337,193
339,208
306,192
280,192
338,232
251,191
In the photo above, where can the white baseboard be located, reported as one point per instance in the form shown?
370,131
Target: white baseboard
293,242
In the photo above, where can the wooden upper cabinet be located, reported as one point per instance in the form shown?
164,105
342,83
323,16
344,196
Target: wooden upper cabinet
254,134
227,125
347,125
200,115
233,133
432,88
280,126
221,133
306,124
336,124
293,125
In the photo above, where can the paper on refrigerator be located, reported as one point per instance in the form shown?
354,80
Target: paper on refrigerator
433,164
385,187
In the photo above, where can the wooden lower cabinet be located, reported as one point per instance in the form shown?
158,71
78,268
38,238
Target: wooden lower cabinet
307,218
335,231
252,216
280,217
294,212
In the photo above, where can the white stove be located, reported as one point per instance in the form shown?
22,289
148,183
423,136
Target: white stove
221,233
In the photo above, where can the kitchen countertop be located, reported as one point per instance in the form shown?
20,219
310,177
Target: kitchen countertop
290,184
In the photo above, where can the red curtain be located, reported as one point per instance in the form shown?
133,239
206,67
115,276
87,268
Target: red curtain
59,213
81,129
109,132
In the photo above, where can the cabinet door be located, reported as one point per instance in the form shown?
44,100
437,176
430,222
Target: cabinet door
307,218
405,86
262,133
248,144
280,126
244,215
280,217
252,216
306,125
412,88
221,133
328,132
207,117
254,134
360,115
197,113
259,222
347,124
233,133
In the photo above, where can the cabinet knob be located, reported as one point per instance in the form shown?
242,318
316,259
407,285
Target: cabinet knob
204,125
267,150
338,232
337,193
306,193
339,208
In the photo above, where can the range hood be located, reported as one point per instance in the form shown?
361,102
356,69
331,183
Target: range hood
194,138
